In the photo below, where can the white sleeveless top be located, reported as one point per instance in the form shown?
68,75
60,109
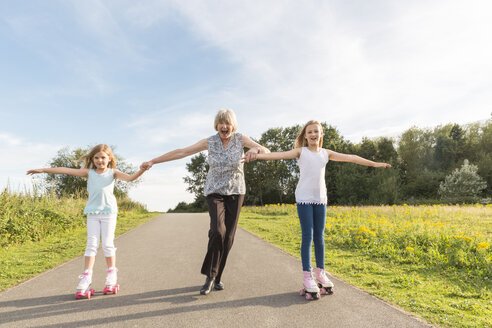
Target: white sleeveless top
311,188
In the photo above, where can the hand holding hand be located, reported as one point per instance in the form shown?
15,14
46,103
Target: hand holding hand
146,165
251,155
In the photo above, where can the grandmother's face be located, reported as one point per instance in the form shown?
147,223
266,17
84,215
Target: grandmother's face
224,129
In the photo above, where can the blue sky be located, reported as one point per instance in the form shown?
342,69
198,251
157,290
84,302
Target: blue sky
149,76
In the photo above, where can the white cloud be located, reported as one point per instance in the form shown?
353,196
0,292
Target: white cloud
9,140
310,58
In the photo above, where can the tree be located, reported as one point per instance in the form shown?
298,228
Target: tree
444,152
68,185
198,168
365,185
334,141
463,185
273,181
415,149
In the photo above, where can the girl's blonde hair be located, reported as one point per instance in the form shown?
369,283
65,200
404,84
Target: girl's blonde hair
89,164
226,116
301,137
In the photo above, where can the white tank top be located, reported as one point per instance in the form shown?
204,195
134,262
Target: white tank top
311,188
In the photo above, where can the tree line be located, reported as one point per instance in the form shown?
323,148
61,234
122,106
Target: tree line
423,162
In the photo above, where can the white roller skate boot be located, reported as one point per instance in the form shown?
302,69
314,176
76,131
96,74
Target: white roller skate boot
310,289
111,278
325,285
84,286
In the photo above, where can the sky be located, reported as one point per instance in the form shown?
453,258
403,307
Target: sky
149,76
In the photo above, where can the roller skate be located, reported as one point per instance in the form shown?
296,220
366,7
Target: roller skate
310,289
111,286
84,289
325,285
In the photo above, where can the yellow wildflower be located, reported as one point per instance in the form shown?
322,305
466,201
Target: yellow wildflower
483,245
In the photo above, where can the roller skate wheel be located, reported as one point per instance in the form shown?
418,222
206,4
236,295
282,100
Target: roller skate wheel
308,296
78,295
88,295
302,292
317,296
116,289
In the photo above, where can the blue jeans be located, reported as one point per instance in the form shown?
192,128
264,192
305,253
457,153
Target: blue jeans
313,219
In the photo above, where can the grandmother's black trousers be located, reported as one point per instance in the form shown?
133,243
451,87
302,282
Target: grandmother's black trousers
224,214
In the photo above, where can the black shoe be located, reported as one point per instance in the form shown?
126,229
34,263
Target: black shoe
219,286
207,287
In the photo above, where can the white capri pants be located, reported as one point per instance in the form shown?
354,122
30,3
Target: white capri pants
102,225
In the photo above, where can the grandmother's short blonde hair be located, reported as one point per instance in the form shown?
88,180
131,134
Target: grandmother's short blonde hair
226,116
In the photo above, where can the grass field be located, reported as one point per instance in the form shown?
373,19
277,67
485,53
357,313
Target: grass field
433,261
38,233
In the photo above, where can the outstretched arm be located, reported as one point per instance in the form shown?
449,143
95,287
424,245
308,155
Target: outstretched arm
290,154
338,157
176,154
61,170
128,177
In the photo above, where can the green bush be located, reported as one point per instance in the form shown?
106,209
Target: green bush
463,185
25,217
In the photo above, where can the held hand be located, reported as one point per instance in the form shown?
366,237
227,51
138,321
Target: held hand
31,172
247,158
251,155
146,165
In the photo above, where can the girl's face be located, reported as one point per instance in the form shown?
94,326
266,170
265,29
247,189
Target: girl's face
225,130
101,160
313,134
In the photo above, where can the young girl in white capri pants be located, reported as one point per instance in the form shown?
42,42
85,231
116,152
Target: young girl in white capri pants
101,211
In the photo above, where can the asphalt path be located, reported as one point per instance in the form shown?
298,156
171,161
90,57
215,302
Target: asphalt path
159,274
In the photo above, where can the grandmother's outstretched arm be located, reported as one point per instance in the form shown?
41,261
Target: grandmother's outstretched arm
177,154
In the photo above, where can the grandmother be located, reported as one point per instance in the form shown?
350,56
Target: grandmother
224,189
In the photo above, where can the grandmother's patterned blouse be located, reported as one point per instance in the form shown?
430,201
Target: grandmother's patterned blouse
226,172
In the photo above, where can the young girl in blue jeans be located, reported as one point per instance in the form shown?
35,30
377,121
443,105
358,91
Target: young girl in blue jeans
311,197
101,211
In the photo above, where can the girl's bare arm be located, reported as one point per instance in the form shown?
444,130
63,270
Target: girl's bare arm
338,157
61,170
291,154
128,177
